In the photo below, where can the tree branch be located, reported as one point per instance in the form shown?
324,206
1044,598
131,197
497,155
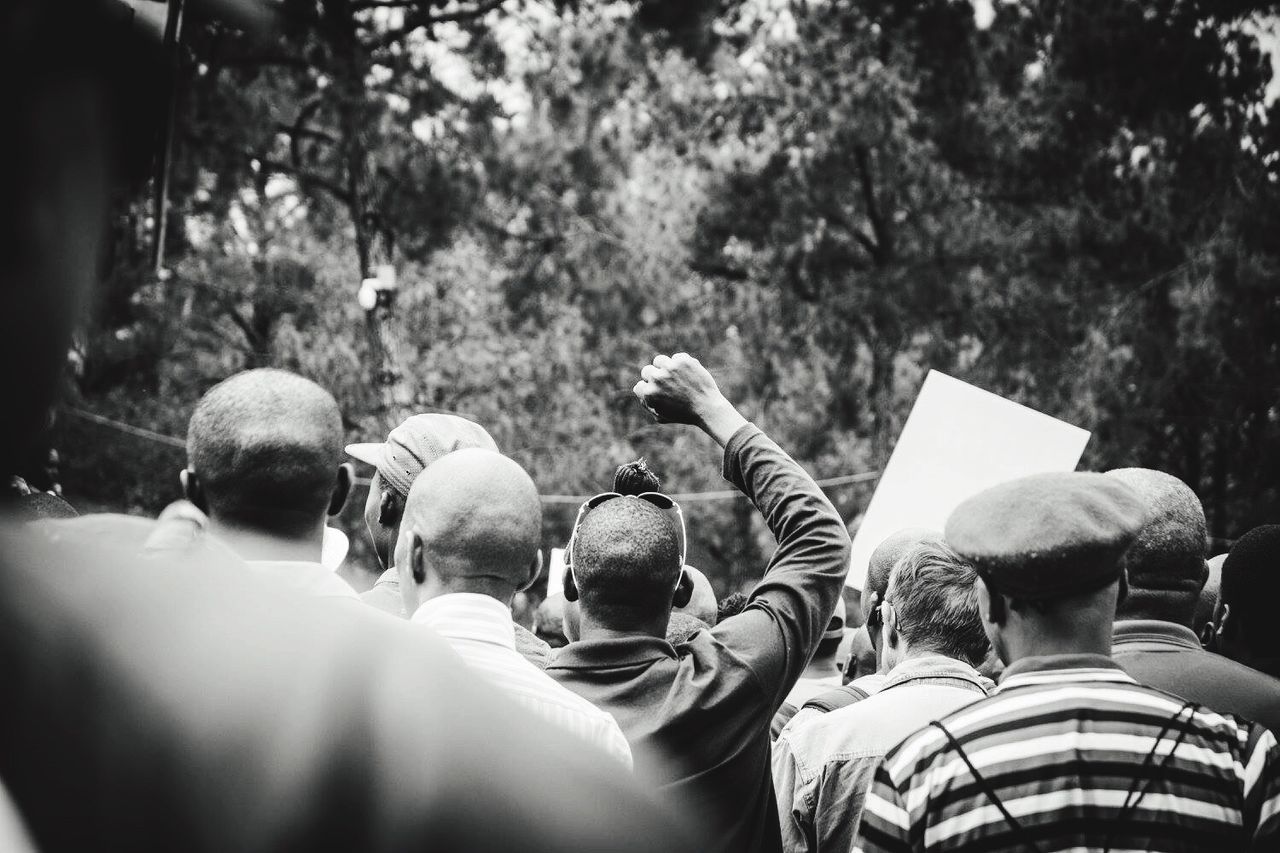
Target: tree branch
306,178
883,244
413,23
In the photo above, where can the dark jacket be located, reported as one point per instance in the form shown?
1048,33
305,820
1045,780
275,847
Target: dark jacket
697,715
1168,656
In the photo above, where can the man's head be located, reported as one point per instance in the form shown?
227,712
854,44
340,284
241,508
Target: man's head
879,566
472,523
1049,551
625,567
263,455
408,450
1247,628
931,607
702,602
1165,563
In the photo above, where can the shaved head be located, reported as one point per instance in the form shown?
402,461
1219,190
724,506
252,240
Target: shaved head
476,518
702,604
887,554
266,446
626,561
1166,563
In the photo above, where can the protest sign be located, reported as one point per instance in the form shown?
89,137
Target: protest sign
957,441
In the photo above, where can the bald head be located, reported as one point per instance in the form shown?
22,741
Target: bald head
625,562
266,446
702,603
889,552
1166,563
472,522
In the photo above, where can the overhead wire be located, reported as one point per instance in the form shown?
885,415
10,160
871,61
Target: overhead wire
684,497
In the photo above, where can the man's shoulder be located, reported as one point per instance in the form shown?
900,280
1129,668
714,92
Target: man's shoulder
1207,678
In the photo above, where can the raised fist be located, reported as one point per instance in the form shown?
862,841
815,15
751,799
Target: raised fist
678,389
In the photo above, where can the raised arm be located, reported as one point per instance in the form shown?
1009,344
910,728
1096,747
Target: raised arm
789,609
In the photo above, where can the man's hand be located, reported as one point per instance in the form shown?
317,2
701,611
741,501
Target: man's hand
678,389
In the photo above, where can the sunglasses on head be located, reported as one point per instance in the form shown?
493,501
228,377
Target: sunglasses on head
661,501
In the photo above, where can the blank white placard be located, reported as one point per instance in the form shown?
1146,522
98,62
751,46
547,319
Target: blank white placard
957,441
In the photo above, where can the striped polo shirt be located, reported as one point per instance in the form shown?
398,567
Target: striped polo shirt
479,629
1082,757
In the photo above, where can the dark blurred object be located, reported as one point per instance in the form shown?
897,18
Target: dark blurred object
730,605
41,506
635,478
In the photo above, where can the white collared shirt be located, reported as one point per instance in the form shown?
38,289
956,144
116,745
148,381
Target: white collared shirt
479,629
303,577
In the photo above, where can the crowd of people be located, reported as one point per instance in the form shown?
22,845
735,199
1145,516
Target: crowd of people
1059,668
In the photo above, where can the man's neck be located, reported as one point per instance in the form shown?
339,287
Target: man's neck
1051,647
821,668
256,546
590,629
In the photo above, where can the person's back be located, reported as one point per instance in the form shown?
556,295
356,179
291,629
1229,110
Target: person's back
468,542
1116,766
1069,753
264,451
1153,637
697,715
932,640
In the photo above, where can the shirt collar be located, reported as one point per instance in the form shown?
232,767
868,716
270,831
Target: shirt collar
612,652
931,666
303,576
469,616
1051,669
1134,630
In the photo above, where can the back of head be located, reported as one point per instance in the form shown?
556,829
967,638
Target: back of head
266,445
1250,587
933,592
479,519
888,553
548,621
625,562
1165,563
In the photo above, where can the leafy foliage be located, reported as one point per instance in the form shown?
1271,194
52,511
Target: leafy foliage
1074,205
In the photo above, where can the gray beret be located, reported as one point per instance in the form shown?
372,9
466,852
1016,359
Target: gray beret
1048,535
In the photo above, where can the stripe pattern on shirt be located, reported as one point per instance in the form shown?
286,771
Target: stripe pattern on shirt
1065,751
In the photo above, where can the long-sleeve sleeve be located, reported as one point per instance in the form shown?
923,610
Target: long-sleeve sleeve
789,609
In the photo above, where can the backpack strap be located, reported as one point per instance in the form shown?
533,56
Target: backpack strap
837,697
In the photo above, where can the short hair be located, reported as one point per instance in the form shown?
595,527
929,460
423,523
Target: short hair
625,562
933,590
682,627
1165,563
266,445
890,550
636,478
731,605
1250,586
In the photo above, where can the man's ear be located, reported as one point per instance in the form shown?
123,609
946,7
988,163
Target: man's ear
1123,592
535,570
570,584
341,489
193,489
390,508
684,590
417,557
990,604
